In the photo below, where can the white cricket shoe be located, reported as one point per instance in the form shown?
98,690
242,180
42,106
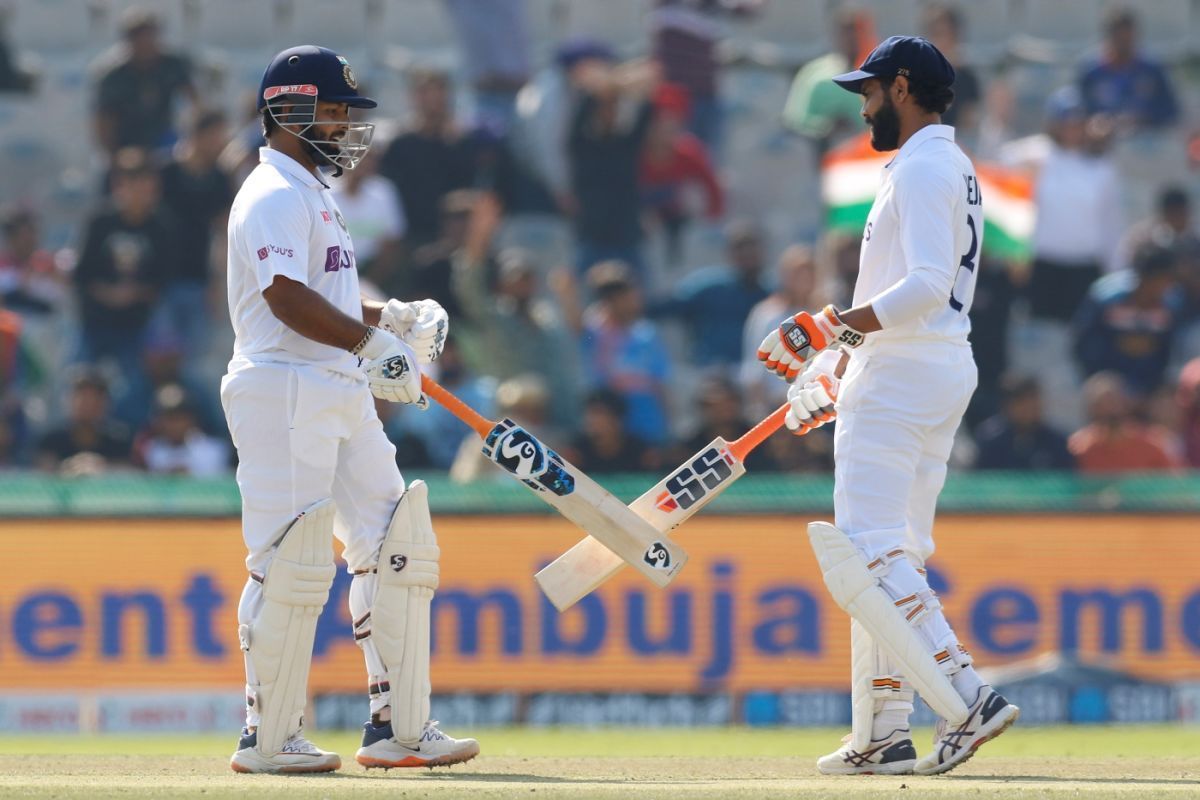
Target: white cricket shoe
893,755
298,756
989,716
433,749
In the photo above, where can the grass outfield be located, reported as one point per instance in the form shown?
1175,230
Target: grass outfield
1151,761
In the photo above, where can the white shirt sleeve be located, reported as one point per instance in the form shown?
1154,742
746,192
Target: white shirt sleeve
274,237
925,206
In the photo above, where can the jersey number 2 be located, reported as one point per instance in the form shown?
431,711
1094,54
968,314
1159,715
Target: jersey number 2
967,262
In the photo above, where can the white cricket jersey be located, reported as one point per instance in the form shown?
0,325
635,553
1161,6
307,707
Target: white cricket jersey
927,218
284,221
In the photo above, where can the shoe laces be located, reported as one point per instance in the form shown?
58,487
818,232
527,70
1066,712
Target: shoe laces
431,733
296,743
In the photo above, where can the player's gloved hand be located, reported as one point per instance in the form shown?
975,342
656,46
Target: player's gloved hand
798,339
392,369
423,324
812,404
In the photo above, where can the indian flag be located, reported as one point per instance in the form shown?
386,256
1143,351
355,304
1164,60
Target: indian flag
850,175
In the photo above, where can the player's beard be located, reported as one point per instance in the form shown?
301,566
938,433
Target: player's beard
885,126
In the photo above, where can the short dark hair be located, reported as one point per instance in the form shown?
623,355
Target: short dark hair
1173,197
932,97
133,162
608,399
1014,386
1152,259
205,120
943,12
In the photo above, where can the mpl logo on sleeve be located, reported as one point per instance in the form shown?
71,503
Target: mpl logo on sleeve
336,258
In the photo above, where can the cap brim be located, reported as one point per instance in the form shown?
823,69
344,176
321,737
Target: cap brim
354,101
853,81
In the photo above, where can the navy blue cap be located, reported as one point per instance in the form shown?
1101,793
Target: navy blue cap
315,71
911,56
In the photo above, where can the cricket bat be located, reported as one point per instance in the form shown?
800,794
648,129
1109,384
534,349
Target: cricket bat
693,485
617,530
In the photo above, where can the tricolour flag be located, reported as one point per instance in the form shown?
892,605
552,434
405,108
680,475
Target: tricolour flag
850,175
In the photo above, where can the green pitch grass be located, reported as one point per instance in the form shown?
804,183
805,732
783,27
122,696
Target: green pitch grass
1142,762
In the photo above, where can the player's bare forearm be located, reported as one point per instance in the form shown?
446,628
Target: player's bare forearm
311,315
861,318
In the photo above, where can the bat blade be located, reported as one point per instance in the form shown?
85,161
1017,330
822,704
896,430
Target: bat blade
671,502
616,529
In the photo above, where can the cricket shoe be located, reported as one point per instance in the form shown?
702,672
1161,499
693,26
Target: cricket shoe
988,717
433,749
892,755
298,756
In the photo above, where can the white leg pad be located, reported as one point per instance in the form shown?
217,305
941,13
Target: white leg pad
391,607
858,593
873,682
277,639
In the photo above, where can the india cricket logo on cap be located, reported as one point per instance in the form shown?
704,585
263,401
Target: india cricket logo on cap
347,73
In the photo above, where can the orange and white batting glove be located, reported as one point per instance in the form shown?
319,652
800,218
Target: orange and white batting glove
812,404
800,338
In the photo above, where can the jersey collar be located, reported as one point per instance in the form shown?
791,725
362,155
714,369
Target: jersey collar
290,166
920,137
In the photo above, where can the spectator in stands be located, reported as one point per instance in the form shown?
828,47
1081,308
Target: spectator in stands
430,270
434,156
713,303
944,28
604,445
1128,322
797,284
140,87
127,253
1076,229
544,114
429,158
1172,222
197,193
623,351
816,108
1187,398
838,265
14,78
674,162
375,220
991,315
1018,437
1123,83
1114,440
91,440
685,36
14,371
508,304
175,444
30,283
722,414
604,154
494,39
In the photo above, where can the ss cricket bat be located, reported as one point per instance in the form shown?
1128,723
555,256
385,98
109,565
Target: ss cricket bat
689,488
617,530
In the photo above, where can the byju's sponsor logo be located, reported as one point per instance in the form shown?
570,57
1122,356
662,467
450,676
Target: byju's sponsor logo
263,252
336,258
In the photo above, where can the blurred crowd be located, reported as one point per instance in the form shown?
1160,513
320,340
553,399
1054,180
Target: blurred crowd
552,223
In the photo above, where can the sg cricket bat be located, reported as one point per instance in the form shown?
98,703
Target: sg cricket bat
613,527
689,488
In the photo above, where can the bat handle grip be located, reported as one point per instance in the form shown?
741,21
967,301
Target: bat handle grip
458,408
759,433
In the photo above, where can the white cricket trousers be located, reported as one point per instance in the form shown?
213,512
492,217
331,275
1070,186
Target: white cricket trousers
304,434
898,411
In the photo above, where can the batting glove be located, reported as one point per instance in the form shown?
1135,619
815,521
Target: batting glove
423,324
811,404
799,339
392,370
